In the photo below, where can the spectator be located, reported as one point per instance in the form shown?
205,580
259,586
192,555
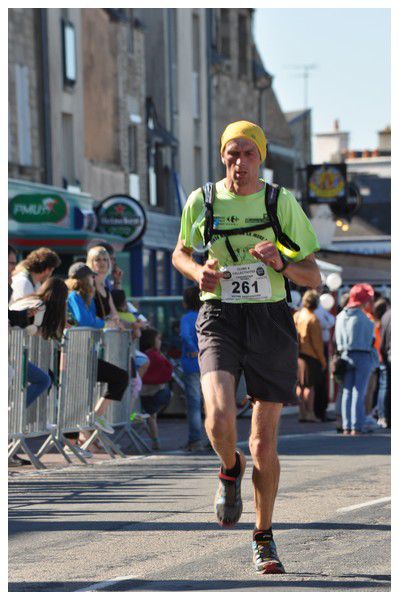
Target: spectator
338,401
42,313
311,361
327,322
141,361
127,318
189,362
354,338
82,309
385,347
114,280
16,318
380,308
155,393
30,273
98,260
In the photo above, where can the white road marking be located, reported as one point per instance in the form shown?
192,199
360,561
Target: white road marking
364,504
103,584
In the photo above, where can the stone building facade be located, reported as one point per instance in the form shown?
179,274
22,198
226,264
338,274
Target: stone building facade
77,116
25,98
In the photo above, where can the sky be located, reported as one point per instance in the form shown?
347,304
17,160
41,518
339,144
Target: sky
351,83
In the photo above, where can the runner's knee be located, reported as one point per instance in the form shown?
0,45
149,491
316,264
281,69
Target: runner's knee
262,449
218,423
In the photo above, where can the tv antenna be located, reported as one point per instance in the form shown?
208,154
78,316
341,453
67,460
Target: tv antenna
305,69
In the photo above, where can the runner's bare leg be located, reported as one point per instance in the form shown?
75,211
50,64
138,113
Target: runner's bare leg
218,388
266,471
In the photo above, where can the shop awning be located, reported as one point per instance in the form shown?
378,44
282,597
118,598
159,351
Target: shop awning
60,239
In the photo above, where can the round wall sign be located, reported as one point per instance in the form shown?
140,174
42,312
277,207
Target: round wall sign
122,215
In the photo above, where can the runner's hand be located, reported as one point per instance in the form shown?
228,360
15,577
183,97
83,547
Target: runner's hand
209,276
268,254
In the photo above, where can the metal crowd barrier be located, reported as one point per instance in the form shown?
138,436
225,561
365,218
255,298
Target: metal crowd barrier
119,350
69,405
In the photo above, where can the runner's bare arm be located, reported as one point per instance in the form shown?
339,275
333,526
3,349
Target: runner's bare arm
205,275
304,272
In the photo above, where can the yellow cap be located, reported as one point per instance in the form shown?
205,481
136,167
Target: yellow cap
248,130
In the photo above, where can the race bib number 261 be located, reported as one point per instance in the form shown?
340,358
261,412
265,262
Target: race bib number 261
245,282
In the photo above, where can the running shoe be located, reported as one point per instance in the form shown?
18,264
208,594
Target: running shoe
228,502
103,424
265,557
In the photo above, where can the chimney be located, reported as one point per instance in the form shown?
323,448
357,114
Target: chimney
336,125
384,139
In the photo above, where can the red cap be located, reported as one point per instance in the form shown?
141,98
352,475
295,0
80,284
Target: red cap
361,293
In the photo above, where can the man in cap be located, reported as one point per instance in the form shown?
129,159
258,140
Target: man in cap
244,323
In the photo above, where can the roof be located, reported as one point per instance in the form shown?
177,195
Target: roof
297,114
275,126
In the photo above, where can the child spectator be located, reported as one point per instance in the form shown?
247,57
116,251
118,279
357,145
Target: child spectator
141,361
155,393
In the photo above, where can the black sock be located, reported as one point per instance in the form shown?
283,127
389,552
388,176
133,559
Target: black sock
262,534
236,470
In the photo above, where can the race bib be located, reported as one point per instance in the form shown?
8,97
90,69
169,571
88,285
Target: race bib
245,282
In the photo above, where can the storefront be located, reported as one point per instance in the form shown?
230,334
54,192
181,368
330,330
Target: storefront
41,215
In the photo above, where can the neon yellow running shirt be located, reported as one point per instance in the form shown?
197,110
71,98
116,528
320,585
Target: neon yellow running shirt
232,212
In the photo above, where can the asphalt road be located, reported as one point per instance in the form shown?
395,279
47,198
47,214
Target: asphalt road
147,524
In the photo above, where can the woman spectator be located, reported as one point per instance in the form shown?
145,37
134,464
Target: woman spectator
82,311
30,273
311,360
354,335
99,262
189,363
47,314
155,393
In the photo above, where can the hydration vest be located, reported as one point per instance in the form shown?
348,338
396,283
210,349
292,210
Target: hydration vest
284,244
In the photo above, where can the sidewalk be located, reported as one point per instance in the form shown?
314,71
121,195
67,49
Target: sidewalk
173,436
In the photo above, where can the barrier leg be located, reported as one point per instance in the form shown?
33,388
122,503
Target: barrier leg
136,439
13,447
107,442
32,457
63,441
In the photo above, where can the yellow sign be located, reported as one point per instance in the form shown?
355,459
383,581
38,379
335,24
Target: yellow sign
326,181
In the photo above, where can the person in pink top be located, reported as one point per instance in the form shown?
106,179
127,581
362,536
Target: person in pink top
155,393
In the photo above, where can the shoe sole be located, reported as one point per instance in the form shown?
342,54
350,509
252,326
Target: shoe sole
271,569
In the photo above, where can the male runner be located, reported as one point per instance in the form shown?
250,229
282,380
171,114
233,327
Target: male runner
245,323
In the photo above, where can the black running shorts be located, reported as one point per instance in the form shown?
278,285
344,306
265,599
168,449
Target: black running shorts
259,339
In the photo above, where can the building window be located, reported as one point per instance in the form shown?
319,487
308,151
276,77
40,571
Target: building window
67,150
69,52
242,45
133,149
196,77
23,115
225,32
149,272
174,64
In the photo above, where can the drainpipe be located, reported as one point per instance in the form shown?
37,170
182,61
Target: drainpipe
44,54
209,89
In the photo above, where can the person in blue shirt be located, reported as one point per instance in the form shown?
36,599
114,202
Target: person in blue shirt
354,336
82,313
189,362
